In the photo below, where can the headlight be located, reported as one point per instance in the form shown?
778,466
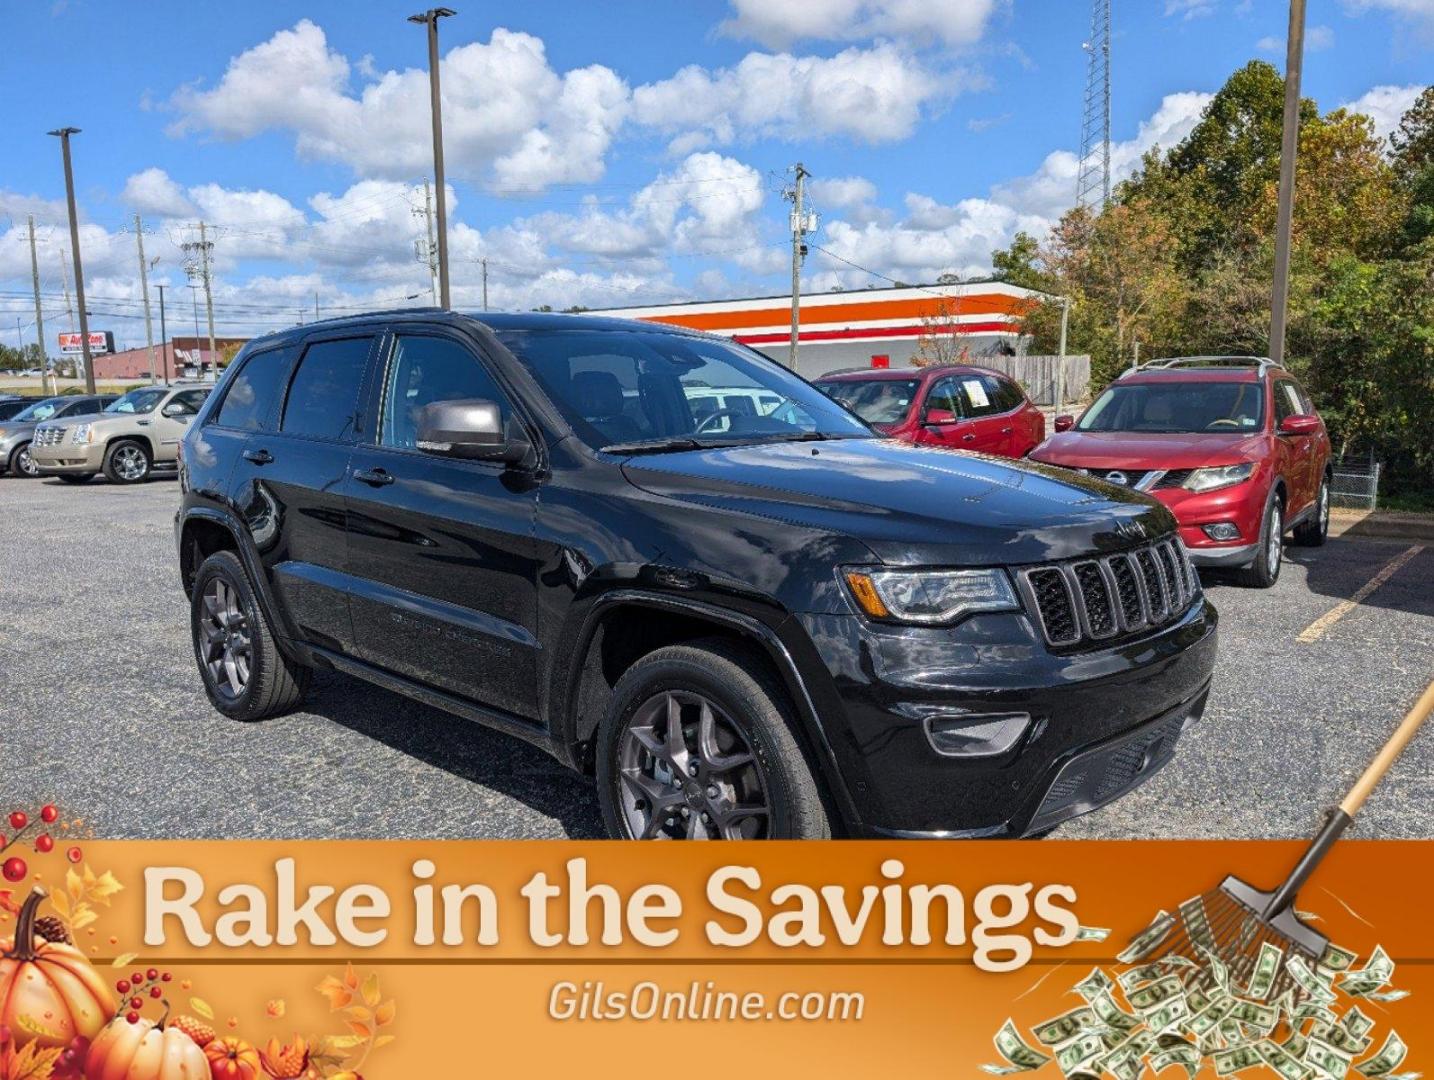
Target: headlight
930,596
1218,477
81,434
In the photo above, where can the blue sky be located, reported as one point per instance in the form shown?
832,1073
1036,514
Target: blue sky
601,153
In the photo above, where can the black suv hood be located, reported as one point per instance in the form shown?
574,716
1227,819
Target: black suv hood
912,504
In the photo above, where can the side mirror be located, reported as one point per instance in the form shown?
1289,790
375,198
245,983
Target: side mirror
174,408
1064,422
1299,424
939,416
473,429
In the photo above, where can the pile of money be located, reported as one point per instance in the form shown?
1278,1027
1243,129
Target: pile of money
1195,1011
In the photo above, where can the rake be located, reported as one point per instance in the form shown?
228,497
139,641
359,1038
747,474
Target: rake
1234,921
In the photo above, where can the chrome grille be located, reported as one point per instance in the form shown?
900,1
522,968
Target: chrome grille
1092,600
49,436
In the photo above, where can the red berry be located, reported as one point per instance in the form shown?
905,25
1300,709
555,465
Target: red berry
166,977
136,1003
152,974
74,854
132,1017
49,813
122,986
155,991
14,869
44,843
18,820
137,978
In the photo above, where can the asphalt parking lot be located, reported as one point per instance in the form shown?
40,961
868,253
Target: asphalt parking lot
101,707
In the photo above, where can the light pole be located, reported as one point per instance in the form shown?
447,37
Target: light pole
163,336
64,136
430,19
1285,210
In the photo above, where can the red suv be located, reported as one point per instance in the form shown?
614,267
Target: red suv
1231,444
955,406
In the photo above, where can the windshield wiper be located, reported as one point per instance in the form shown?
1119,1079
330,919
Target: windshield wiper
654,446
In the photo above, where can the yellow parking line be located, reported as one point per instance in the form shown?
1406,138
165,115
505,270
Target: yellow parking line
1317,629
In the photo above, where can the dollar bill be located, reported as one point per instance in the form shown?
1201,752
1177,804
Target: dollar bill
1094,984
1296,1044
1112,1015
1340,1037
1375,974
1336,959
1186,1056
1144,973
1236,1059
1067,1026
1313,1010
1259,1016
1092,933
1149,939
1197,923
1080,1052
1267,966
1151,996
1208,1019
1387,995
1168,1015
1217,969
1391,1055
1330,1060
1308,981
1282,1061
1019,1056
1355,1022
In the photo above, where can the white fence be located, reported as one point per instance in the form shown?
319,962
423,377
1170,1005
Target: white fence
1038,375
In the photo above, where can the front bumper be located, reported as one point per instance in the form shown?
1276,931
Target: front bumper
1220,555
1241,505
1102,720
66,457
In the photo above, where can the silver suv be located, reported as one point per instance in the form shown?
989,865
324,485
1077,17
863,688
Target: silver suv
134,436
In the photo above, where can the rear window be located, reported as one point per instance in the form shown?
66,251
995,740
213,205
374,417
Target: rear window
323,396
249,402
877,401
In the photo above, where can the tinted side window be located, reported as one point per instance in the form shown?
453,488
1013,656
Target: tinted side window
323,395
250,400
187,403
976,396
1287,400
1005,395
423,370
943,398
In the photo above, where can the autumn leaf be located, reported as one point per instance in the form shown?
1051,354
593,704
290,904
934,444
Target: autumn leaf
359,1013
384,1014
74,885
383,1040
338,994
351,979
61,903
202,1007
370,990
363,1031
32,1062
123,960
276,1008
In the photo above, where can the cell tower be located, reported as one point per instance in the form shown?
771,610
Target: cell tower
1093,177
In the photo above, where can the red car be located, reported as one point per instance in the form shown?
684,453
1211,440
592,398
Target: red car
955,406
1232,445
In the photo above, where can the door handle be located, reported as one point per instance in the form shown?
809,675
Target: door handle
968,438
376,477
1005,431
258,457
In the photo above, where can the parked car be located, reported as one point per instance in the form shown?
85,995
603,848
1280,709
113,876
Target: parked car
791,628
16,433
956,406
136,435
10,404
1232,444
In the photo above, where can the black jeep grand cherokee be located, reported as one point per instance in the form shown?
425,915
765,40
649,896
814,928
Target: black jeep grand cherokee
671,563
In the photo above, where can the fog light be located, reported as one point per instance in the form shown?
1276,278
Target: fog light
1223,530
976,736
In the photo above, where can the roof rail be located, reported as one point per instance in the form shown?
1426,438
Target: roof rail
1261,363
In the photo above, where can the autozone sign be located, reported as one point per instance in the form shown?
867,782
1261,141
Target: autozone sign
101,341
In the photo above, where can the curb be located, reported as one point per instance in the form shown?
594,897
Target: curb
1382,525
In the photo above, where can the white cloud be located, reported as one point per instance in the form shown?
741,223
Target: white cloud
1409,9
778,23
507,115
843,192
1190,9
153,192
1385,105
874,95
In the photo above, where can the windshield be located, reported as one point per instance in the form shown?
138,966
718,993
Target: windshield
41,410
1177,408
877,401
138,401
621,387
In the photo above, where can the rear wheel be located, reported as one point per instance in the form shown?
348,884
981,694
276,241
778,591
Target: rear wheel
1313,532
244,673
127,462
1264,571
698,744
22,465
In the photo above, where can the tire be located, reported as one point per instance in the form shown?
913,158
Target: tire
1315,531
223,602
77,478
1264,571
750,719
22,466
127,462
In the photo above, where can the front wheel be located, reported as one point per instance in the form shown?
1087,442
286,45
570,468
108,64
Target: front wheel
698,744
1313,532
1264,571
127,462
22,465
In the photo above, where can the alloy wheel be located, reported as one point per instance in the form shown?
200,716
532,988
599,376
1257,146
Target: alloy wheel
129,462
1275,544
688,772
226,646
25,463
1324,508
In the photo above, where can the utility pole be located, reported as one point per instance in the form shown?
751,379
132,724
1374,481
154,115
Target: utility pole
485,283
204,248
1135,363
164,336
194,295
47,384
64,137
1289,148
430,19
428,255
316,305
144,288
800,228
1061,361
197,265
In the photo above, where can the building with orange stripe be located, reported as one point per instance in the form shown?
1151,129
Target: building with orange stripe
862,328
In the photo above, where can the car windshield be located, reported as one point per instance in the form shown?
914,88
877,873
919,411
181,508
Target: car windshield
624,388
41,410
142,400
877,401
1177,408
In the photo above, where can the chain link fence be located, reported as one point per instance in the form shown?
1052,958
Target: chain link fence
1355,485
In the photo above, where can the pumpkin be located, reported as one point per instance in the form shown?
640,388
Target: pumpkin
49,994
233,1059
144,1050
